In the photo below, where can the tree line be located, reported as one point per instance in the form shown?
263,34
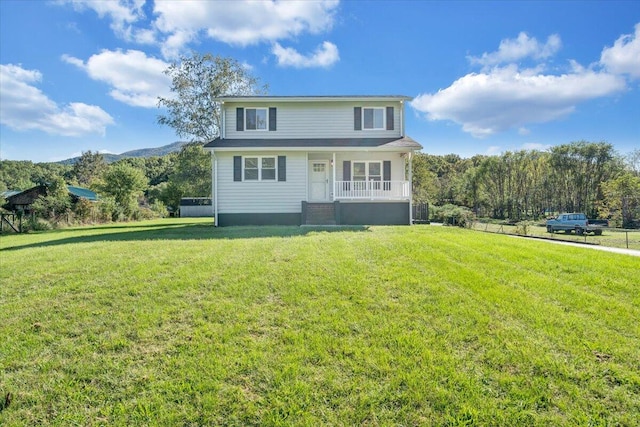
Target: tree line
129,189
582,176
523,185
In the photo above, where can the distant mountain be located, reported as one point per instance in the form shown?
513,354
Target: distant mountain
142,152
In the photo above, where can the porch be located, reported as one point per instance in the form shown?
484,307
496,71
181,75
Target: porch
371,190
359,176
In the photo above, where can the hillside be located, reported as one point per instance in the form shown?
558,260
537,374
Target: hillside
141,152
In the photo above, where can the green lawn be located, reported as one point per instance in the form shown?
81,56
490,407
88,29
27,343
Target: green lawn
174,322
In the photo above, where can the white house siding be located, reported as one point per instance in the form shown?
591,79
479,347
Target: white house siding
312,120
262,196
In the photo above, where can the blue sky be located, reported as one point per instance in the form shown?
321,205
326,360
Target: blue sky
486,77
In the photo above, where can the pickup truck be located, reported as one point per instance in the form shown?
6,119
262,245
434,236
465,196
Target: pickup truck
577,222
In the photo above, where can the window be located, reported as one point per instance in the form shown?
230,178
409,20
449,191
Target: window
256,118
373,118
367,171
268,169
251,171
259,169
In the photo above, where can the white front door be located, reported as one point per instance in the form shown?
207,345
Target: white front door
319,181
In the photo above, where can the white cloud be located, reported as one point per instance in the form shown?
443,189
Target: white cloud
123,13
504,98
624,56
511,50
135,78
240,22
24,107
324,56
245,22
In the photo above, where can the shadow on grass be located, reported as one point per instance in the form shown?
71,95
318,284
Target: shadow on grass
141,232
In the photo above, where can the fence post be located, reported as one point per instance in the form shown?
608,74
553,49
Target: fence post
626,233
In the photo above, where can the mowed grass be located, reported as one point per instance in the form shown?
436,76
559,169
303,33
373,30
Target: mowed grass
175,322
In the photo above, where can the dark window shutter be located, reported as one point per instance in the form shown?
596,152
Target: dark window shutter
239,119
386,174
357,118
272,118
346,175
389,118
282,167
237,168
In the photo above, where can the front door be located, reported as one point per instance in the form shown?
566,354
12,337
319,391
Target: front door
319,181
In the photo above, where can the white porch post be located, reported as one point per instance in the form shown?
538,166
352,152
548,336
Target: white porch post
333,182
214,187
410,188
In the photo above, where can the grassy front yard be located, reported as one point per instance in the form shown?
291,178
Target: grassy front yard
175,322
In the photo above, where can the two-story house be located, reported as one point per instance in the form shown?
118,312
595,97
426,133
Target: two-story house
341,160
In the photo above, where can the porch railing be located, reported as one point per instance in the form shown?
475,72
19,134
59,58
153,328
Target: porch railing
380,190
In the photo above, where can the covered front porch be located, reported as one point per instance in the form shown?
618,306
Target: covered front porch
359,176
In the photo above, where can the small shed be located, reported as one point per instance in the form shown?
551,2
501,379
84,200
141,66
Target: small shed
196,207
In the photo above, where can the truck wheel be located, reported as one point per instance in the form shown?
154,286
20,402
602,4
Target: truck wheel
549,229
598,232
579,231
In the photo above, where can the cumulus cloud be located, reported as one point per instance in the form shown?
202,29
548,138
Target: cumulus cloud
324,56
511,50
624,56
135,79
241,22
487,103
505,96
24,107
122,13
245,22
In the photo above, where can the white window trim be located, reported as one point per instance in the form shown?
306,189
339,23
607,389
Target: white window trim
275,161
366,169
246,110
384,118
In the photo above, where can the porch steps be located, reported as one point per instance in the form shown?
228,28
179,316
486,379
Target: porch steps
321,214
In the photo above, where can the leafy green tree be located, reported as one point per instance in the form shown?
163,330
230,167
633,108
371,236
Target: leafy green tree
196,82
191,175
89,168
56,203
633,161
125,184
621,199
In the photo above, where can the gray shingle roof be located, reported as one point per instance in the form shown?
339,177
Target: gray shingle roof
404,142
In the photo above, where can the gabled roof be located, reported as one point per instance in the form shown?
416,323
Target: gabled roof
321,144
323,98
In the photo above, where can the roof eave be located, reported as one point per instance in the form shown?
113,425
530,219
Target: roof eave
354,98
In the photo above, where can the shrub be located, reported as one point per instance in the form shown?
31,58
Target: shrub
523,227
453,215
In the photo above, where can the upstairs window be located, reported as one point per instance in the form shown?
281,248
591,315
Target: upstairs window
373,118
256,118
